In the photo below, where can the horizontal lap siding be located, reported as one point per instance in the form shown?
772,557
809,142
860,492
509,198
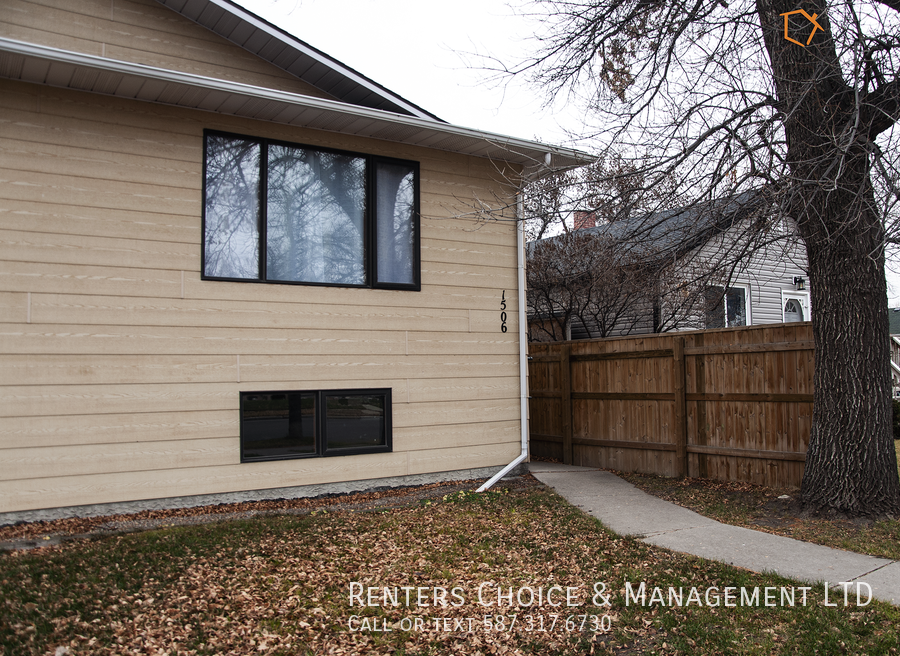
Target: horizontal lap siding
144,32
150,484
120,368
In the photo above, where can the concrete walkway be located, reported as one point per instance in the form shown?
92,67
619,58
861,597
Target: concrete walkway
628,511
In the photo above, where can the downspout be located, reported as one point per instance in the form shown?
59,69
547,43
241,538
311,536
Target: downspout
523,345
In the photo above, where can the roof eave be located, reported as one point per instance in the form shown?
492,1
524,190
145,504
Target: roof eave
40,64
271,43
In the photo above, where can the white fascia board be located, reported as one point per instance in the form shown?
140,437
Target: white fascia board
538,158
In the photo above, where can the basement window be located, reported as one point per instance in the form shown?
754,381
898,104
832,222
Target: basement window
300,424
279,212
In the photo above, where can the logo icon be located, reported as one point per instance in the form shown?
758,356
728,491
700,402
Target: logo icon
811,19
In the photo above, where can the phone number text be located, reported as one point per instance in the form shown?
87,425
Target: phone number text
490,623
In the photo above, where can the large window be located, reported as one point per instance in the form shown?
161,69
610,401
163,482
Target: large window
297,424
279,212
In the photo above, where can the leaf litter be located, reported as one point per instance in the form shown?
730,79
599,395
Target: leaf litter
281,584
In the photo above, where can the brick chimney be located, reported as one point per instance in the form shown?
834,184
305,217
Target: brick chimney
584,219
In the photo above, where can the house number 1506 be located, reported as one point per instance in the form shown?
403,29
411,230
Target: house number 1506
503,312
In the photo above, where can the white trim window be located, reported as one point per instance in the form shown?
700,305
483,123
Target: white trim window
727,307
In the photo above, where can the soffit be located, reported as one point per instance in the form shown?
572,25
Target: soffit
72,70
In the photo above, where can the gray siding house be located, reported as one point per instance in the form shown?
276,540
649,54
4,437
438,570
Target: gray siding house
713,267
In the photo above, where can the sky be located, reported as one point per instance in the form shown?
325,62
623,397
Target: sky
434,54
439,56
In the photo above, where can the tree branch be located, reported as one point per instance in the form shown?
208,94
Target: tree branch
883,107
893,4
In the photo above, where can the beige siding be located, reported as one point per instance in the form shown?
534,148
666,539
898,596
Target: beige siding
55,491
120,368
143,32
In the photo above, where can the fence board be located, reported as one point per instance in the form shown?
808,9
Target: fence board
729,404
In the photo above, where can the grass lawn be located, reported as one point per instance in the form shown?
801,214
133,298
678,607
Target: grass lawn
760,508
284,585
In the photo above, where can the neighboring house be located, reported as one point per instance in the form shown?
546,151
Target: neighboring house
895,365
894,319
698,271
234,268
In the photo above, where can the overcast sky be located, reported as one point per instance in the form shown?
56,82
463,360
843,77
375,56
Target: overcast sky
435,53
428,52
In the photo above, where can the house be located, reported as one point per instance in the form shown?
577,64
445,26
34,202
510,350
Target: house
895,366
689,268
894,329
234,268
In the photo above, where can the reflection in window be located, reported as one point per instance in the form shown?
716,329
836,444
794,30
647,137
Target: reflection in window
231,243
316,206
353,420
328,217
395,213
277,425
299,424
736,306
726,307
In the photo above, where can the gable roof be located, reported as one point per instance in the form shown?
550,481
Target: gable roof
274,45
366,108
672,233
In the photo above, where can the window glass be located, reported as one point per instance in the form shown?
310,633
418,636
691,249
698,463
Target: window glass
725,307
715,307
395,219
231,216
354,420
277,425
736,306
298,424
277,212
316,208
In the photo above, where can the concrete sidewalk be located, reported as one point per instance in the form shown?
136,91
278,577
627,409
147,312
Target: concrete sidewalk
628,511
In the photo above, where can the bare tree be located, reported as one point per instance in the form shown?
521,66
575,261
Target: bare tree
717,98
558,272
585,278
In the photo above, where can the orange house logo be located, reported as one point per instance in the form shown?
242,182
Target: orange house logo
811,19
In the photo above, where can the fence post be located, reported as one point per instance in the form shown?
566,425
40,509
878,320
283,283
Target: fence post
678,371
565,370
702,426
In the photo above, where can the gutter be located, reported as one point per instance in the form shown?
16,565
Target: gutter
30,62
523,346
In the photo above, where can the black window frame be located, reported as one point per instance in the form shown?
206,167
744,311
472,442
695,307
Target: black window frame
320,423
370,237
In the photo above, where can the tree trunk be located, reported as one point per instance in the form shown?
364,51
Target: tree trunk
851,464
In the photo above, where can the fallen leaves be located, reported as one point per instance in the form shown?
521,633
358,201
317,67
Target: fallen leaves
765,509
280,585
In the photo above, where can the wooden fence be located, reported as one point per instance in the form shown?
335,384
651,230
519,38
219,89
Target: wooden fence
732,404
